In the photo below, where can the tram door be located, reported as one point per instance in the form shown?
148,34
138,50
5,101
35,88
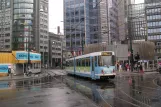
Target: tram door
92,67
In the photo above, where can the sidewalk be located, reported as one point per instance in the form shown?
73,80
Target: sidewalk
22,77
135,72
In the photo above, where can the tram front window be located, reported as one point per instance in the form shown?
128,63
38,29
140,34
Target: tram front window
105,61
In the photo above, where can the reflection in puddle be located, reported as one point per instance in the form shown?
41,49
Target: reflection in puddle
99,92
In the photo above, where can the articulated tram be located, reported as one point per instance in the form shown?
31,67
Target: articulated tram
97,65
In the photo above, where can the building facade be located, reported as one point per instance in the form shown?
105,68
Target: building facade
24,26
145,23
123,19
137,22
57,48
88,22
153,17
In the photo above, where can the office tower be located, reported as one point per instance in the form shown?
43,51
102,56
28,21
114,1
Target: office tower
90,21
24,25
122,18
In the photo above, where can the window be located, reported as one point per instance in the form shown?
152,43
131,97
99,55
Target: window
105,61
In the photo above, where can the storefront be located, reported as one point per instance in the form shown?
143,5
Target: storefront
18,61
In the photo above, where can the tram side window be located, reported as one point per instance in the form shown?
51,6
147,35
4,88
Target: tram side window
67,63
100,63
88,61
83,62
95,61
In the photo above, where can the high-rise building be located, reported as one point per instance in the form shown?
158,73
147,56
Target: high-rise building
24,25
153,18
151,1
89,21
137,22
123,18
145,23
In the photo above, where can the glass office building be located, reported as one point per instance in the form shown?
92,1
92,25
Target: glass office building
137,22
89,21
24,26
153,13
145,21
23,38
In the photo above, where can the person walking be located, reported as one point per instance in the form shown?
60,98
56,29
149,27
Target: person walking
9,71
141,69
127,67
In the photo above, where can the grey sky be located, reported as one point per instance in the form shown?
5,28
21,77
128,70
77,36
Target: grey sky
55,15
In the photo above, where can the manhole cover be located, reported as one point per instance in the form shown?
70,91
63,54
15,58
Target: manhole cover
35,102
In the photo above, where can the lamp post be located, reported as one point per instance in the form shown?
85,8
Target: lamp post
44,55
62,52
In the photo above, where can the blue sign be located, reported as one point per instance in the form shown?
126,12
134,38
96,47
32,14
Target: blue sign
3,68
24,56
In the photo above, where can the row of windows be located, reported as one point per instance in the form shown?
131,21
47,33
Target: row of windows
58,49
23,11
23,16
6,23
43,20
23,40
156,30
24,22
154,23
7,4
43,15
6,29
22,46
153,17
23,6
56,54
43,31
154,10
156,37
23,1
6,35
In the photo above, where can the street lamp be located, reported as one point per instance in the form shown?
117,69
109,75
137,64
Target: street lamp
44,51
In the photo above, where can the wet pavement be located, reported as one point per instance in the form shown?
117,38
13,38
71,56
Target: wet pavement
126,90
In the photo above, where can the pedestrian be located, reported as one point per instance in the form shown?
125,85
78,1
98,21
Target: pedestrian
141,69
9,71
127,67
120,68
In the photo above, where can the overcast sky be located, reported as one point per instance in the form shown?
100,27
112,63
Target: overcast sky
56,14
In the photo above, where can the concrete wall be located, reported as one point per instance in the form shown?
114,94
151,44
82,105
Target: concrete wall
145,49
121,51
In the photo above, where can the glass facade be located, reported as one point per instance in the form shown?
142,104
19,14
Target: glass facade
84,21
137,22
74,16
146,22
23,38
153,13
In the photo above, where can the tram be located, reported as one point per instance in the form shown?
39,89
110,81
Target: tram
97,65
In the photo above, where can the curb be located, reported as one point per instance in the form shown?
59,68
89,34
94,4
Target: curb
24,78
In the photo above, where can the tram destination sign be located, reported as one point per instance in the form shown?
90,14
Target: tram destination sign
106,54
